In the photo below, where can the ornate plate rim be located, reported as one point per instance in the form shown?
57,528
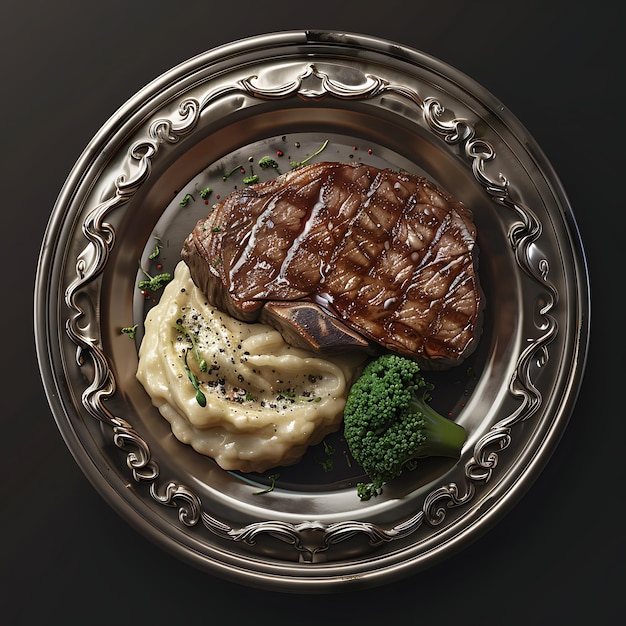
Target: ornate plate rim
93,258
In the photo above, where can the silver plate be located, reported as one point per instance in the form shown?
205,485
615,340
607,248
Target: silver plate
288,93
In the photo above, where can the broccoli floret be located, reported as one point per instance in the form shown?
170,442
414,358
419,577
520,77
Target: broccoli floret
388,422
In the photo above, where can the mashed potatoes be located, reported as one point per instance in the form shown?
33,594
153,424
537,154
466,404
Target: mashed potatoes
261,402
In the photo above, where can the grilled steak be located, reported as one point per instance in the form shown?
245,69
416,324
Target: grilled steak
376,256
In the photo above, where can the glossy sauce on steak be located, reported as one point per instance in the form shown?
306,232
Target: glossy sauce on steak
386,256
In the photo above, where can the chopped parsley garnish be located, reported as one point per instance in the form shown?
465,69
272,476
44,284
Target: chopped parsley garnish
157,249
185,200
130,331
328,465
269,163
471,373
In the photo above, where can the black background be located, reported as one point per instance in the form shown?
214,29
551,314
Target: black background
557,557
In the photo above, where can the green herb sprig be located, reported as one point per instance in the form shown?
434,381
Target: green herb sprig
194,344
295,164
200,397
273,478
154,283
229,174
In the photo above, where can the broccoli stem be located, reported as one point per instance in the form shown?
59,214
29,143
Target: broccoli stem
443,436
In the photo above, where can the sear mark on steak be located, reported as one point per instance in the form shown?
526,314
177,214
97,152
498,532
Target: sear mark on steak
347,254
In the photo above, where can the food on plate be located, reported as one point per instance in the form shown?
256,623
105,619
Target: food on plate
345,254
389,423
236,391
292,289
